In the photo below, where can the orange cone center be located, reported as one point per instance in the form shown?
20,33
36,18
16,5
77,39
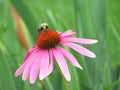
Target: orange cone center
48,39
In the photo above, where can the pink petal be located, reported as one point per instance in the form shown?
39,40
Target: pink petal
30,51
67,33
50,69
62,64
27,69
44,65
35,68
80,49
21,68
69,56
78,40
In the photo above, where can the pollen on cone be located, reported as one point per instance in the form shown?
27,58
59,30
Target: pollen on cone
48,39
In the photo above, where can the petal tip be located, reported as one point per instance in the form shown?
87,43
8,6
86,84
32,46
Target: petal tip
95,41
41,77
68,79
32,81
93,56
24,78
16,75
80,67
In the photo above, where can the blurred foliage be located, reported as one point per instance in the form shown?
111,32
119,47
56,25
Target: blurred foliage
97,19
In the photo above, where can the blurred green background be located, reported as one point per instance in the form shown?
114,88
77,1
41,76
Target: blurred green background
95,19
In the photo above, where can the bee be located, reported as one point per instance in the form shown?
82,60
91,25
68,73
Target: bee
43,27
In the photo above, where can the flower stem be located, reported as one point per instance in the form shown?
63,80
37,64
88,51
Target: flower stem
66,83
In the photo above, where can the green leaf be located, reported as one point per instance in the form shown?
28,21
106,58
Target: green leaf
113,84
6,78
27,15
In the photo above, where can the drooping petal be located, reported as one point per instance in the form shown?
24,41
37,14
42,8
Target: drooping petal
30,51
78,40
44,65
67,33
21,68
50,69
62,64
69,56
35,68
80,49
27,69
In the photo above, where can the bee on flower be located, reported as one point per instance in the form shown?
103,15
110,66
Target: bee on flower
39,60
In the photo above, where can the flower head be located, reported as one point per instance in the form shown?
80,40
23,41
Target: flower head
40,58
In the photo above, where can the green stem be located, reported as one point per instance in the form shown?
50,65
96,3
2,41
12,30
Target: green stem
66,83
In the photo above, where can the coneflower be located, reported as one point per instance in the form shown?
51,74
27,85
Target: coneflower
40,58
